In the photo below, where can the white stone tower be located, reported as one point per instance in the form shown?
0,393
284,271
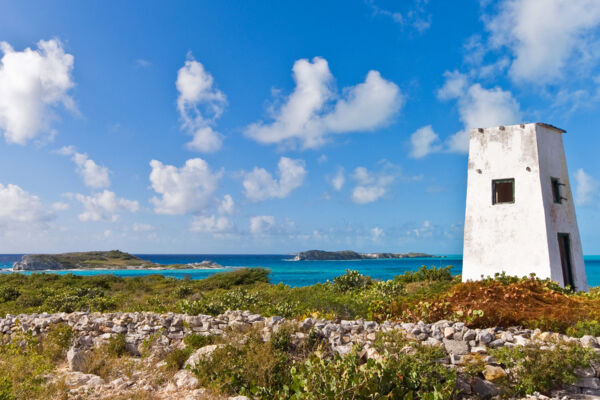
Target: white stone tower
520,216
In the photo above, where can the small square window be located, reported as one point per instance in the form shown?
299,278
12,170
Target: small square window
556,190
503,191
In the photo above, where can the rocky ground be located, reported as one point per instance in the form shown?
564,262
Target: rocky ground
145,379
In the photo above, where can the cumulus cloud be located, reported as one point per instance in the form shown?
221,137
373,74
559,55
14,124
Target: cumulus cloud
94,175
262,224
18,208
478,107
142,227
200,104
371,186
187,189
211,224
32,84
338,180
424,141
586,188
104,206
314,111
227,205
260,185
425,230
377,233
546,37
60,206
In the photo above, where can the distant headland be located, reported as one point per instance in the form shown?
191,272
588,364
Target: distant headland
347,255
114,259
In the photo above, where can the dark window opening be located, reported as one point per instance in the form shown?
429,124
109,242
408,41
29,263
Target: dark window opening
564,245
503,191
556,192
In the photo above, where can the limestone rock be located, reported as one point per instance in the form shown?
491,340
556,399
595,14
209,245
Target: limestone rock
76,359
589,341
588,383
201,353
184,379
484,389
493,373
456,347
76,379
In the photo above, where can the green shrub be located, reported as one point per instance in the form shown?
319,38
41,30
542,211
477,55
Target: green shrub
23,369
583,328
351,280
238,277
398,376
196,341
6,388
426,274
116,345
8,294
221,301
535,369
57,341
248,366
176,358
183,291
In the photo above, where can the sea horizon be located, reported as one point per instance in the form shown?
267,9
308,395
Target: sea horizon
284,270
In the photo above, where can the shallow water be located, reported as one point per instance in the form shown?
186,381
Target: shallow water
293,273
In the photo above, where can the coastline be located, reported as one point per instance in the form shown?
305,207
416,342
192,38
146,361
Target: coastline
220,268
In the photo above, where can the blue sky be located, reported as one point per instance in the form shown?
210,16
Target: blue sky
253,127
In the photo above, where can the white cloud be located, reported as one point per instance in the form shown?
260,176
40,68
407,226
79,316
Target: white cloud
140,62
377,233
477,108
32,84
200,104
314,111
104,206
587,188
371,186
18,208
94,175
424,141
425,230
260,185
338,180
205,140
227,205
546,37
454,87
142,227
211,224
60,206
183,190
262,224
414,17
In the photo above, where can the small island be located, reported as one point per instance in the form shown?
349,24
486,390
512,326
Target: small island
114,259
349,255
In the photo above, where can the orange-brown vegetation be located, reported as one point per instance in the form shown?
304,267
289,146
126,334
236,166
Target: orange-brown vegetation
505,302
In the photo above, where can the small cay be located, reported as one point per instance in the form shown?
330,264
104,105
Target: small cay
114,259
345,255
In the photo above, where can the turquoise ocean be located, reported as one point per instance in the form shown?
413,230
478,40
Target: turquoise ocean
293,273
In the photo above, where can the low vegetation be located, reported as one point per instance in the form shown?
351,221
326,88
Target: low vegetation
428,294
280,369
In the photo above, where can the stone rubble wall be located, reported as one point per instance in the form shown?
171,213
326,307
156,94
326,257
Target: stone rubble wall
168,331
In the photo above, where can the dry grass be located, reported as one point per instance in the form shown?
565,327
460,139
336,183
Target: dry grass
528,302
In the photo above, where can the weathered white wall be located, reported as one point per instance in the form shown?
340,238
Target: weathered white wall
560,218
518,238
